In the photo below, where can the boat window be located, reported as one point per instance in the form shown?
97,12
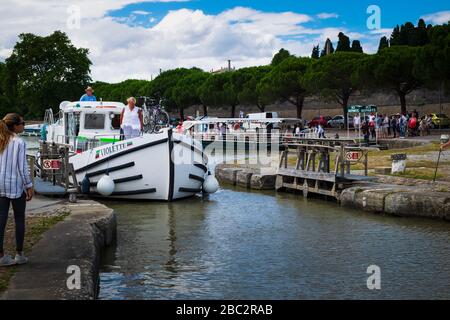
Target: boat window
94,121
115,122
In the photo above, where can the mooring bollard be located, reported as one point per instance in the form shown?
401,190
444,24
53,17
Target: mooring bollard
398,163
72,195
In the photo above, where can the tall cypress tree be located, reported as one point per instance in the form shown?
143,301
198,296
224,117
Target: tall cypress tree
327,49
356,46
421,36
395,36
343,43
383,44
315,52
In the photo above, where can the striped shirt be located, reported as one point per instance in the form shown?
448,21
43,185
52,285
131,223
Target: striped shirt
14,172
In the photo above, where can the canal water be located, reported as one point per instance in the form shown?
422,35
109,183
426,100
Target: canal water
237,244
240,244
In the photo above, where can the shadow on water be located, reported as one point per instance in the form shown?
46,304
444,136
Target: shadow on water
238,244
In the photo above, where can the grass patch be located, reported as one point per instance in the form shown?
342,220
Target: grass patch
423,173
34,229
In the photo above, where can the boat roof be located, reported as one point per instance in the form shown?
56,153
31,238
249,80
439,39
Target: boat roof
68,106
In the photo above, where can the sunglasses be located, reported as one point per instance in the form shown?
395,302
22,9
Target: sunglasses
20,123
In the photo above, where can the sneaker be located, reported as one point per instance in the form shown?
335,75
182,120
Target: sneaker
20,259
6,260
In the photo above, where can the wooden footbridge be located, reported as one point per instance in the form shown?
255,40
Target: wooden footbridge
321,166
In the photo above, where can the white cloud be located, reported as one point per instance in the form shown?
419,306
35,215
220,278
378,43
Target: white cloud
141,12
121,49
382,32
437,17
326,15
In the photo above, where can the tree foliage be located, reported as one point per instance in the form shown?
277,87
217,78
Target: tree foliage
392,68
286,82
409,35
343,43
280,56
315,54
333,77
45,71
432,64
384,43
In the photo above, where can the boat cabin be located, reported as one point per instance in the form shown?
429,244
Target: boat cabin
84,124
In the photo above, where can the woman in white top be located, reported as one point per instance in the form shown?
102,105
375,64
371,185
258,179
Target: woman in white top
131,120
16,186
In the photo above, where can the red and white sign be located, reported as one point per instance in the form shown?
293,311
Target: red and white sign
51,164
352,156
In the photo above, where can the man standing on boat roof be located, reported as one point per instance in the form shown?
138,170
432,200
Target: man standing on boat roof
131,120
88,96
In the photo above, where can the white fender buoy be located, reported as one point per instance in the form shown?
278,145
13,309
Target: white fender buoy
210,185
105,186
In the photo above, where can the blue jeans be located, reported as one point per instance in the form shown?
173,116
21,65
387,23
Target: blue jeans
19,206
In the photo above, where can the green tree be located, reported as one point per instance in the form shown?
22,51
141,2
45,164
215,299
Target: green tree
220,90
395,36
286,82
315,52
4,103
393,68
46,71
409,35
248,93
187,91
343,43
383,44
432,64
122,90
356,46
327,49
280,56
162,87
421,34
333,77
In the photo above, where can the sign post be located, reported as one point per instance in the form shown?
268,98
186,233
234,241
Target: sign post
51,164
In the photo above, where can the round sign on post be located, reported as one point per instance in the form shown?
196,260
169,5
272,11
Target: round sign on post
51,164
352,156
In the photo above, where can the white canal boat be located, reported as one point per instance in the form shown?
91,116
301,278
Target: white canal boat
157,166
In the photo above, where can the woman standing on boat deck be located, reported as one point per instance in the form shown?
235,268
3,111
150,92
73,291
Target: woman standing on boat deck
16,186
131,120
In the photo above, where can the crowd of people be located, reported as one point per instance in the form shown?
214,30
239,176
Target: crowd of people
383,126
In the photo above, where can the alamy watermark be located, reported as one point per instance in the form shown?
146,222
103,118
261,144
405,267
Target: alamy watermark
374,20
374,280
74,280
74,19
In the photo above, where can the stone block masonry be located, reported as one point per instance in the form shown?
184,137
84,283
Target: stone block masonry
77,241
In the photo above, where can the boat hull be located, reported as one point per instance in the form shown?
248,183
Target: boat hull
165,166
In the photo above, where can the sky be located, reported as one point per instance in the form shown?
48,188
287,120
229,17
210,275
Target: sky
134,39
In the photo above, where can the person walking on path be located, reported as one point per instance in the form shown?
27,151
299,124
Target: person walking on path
16,186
